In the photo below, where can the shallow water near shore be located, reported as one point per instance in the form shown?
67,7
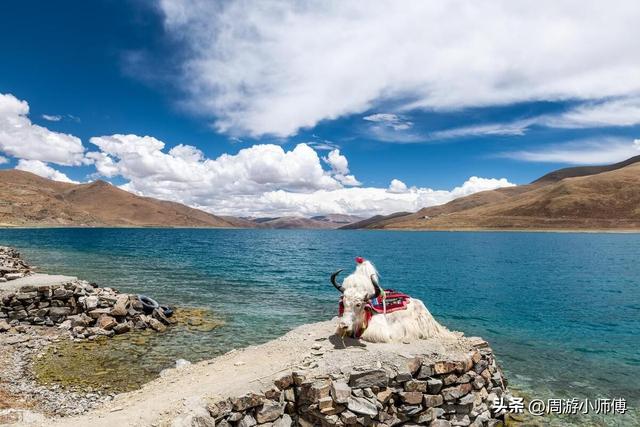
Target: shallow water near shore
561,310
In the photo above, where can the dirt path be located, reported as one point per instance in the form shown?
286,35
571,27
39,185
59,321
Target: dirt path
309,347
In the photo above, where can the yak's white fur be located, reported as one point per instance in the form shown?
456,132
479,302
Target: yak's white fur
404,325
360,279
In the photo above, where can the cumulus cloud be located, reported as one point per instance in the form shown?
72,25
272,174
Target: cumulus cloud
184,170
43,170
260,180
340,168
257,68
397,186
366,201
584,152
22,139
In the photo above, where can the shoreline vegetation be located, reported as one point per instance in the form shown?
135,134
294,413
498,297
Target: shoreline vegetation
306,377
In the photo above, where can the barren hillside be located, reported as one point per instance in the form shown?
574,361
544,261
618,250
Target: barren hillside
590,198
29,200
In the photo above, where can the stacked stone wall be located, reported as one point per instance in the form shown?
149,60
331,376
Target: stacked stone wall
442,393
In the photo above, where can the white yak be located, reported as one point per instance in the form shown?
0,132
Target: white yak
359,320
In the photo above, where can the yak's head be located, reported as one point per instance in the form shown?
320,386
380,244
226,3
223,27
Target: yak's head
354,303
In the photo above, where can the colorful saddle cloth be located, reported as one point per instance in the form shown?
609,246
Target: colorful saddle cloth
395,301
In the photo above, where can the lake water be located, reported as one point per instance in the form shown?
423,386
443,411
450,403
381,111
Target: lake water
561,310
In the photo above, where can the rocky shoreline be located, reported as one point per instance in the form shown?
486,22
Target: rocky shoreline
12,266
83,309
38,311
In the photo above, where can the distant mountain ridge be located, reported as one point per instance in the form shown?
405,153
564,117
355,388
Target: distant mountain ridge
331,221
30,200
579,198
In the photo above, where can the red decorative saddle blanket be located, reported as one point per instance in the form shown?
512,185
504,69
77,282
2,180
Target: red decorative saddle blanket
395,301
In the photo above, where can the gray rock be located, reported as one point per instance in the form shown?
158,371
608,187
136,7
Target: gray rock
95,314
289,395
460,420
91,302
362,406
57,314
4,326
453,393
247,421
434,386
312,391
373,378
480,366
121,306
220,409
429,415
122,328
348,417
249,400
416,385
411,397
410,410
440,423
270,411
402,377
426,370
235,417
431,400
285,421
340,392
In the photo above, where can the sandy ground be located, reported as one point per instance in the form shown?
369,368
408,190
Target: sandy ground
311,348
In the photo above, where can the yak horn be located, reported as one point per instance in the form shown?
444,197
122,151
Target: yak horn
333,281
376,285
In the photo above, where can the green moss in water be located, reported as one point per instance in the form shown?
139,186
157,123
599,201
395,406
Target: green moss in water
124,362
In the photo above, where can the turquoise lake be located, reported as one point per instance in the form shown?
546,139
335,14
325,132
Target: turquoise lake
561,310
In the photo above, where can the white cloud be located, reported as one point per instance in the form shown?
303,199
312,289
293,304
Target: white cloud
185,172
397,186
337,161
52,118
275,67
259,180
585,152
616,112
366,201
516,128
22,139
43,170
391,120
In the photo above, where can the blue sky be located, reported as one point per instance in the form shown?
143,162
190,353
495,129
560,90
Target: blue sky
415,94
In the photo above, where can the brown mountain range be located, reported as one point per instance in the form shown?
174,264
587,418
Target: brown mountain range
579,198
29,200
